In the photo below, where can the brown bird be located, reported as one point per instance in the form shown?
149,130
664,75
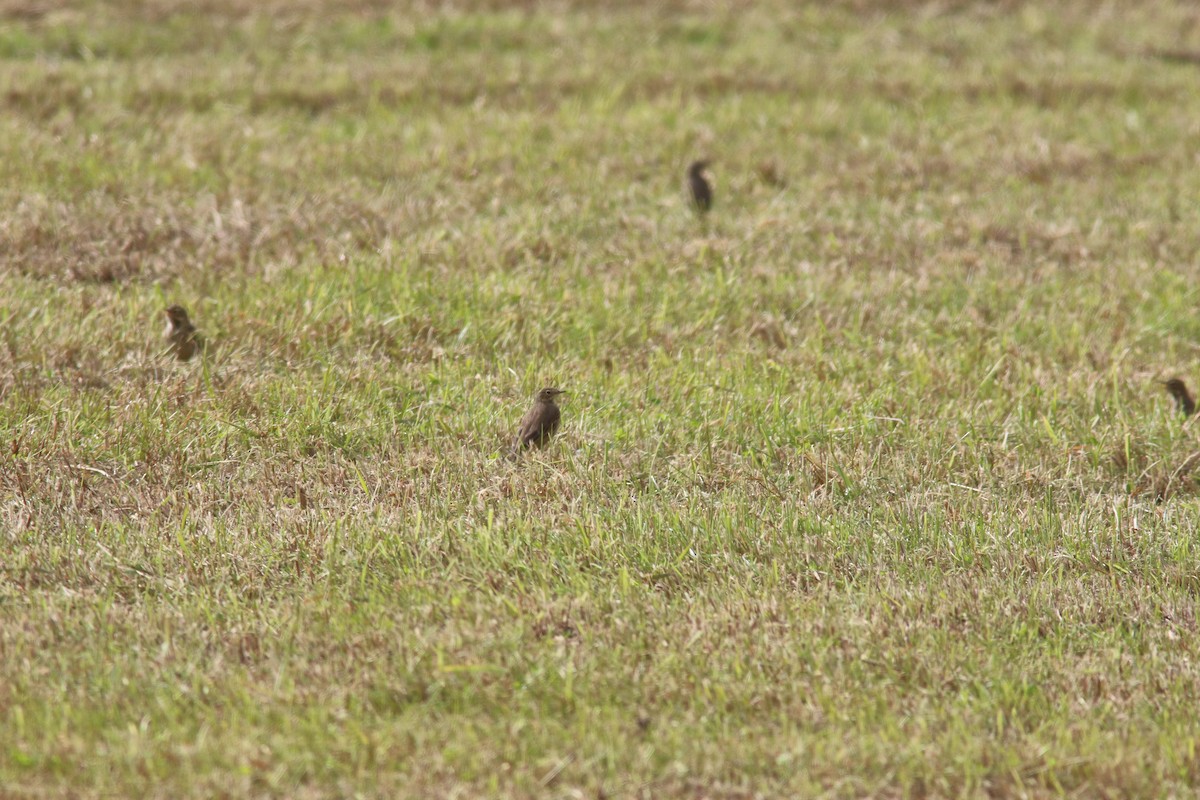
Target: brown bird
182,337
1183,398
540,421
701,192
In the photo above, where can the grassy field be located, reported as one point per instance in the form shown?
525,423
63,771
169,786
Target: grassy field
865,486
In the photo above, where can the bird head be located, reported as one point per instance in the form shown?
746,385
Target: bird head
176,315
698,167
548,394
1176,387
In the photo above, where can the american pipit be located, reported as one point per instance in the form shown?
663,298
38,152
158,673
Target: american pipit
540,421
1183,398
701,192
182,337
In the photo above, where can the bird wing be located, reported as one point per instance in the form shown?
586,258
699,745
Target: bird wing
541,420
701,193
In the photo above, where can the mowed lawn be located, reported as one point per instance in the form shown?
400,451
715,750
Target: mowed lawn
865,485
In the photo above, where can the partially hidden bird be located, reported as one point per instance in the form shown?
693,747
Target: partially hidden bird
1183,398
540,421
183,340
699,188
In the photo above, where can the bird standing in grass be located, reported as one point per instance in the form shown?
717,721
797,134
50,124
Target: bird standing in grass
1183,398
182,337
540,421
699,188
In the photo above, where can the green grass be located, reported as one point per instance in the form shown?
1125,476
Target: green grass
865,487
